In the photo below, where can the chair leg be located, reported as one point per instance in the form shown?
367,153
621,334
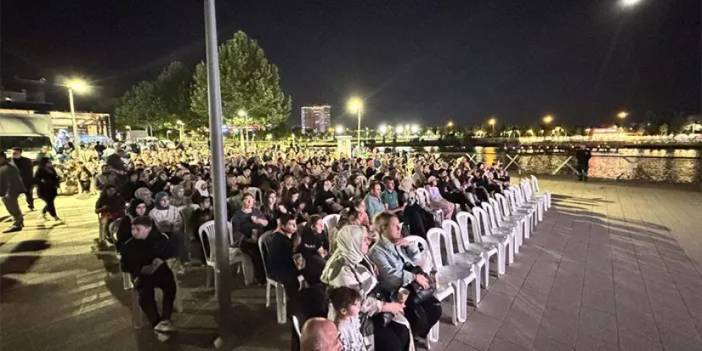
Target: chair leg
501,258
268,295
510,252
280,303
209,277
460,304
433,335
476,290
486,274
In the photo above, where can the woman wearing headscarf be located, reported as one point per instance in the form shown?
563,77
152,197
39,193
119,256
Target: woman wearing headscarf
47,182
350,267
169,221
178,198
137,208
201,191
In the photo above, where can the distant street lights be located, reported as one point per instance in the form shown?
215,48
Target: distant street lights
355,105
242,132
547,119
622,115
79,86
449,125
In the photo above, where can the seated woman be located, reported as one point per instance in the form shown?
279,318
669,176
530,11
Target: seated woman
397,271
270,209
109,206
350,267
436,201
144,194
248,223
169,221
201,215
314,247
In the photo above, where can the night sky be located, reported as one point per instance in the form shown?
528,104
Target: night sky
422,61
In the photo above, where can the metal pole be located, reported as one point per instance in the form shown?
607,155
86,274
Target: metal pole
76,137
222,271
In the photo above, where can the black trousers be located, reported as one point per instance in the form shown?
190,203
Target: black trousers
390,337
162,279
50,207
251,249
30,197
422,316
583,172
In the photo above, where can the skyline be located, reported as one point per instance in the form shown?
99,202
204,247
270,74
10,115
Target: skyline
421,62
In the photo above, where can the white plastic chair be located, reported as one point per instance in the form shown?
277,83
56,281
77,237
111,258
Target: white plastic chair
488,249
493,229
538,193
503,242
518,207
539,203
462,254
446,285
462,274
236,256
280,298
515,228
508,216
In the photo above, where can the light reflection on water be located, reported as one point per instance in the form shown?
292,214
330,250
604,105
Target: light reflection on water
657,165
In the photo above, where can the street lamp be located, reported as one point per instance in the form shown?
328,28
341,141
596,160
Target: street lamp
355,105
242,114
79,86
383,128
622,115
492,121
548,119
449,124
628,3
339,129
180,125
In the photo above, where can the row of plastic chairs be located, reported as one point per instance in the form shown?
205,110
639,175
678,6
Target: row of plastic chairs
493,231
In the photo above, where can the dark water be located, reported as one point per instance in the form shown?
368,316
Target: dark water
655,165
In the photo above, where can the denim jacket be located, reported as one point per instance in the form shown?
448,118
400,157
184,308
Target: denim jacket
391,260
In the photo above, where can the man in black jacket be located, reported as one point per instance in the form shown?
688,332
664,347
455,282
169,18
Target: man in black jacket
25,166
144,257
10,187
583,155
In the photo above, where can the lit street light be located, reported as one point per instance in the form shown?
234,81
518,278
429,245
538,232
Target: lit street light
491,122
355,105
548,119
622,114
383,129
340,129
242,132
628,3
449,124
80,87
180,125
414,129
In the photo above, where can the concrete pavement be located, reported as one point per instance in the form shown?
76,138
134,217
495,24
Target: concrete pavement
614,266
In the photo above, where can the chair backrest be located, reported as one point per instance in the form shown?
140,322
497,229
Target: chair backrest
472,198
427,263
422,196
502,203
207,239
453,237
330,221
482,218
468,224
296,326
434,238
114,227
535,184
264,246
497,210
257,193
487,207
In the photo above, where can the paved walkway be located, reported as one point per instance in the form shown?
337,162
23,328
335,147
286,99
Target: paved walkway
614,266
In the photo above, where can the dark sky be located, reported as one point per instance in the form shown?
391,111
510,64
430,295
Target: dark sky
424,61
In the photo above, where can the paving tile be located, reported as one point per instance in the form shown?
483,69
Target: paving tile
479,330
499,344
496,305
637,341
586,343
596,324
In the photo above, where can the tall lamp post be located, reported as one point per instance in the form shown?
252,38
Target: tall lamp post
78,86
547,121
180,130
492,121
355,105
243,134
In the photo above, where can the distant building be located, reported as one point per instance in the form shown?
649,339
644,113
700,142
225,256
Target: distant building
316,118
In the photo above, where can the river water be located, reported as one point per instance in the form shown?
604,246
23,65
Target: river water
655,165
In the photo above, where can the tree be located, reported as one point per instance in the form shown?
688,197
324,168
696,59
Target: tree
139,106
172,87
248,82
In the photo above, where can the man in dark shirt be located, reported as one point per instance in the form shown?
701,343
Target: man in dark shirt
25,166
282,268
582,155
10,187
144,257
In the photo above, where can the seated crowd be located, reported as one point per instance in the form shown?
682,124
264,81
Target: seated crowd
362,266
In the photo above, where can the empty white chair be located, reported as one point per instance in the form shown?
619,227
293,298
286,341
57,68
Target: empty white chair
446,285
280,298
488,249
518,206
538,193
461,253
512,226
236,256
539,203
493,229
509,217
504,246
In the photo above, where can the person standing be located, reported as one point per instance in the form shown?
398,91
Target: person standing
10,187
47,186
583,155
25,167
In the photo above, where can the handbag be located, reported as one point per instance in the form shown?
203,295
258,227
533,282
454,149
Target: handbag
418,294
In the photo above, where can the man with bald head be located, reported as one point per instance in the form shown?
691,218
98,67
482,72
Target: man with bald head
319,334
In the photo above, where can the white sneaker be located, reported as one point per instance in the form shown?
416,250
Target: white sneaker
164,326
